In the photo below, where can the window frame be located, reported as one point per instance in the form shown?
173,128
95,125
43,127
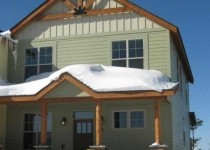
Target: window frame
37,131
38,65
128,114
127,58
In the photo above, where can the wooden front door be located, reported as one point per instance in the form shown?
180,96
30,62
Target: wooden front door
83,134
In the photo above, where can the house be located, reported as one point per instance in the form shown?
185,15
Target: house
67,113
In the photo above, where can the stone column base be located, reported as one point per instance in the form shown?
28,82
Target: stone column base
158,147
100,147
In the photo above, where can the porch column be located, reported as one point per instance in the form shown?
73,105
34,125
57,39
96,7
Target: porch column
44,124
157,121
98,123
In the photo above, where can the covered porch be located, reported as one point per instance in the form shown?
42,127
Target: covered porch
79,97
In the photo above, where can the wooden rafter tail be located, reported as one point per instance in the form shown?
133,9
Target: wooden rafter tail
89,3
69,4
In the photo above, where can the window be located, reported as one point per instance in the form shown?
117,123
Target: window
128,53
128,119
32,130
38,60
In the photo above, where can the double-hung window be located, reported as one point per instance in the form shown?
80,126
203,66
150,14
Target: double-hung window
38,60
128,53
128,119
32,130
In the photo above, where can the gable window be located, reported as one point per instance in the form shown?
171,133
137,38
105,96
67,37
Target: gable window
38,60
32,130
128,53
128,119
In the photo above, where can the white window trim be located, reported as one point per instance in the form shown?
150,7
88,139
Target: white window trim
127,51
128,119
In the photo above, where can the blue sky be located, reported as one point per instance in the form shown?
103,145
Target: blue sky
193,19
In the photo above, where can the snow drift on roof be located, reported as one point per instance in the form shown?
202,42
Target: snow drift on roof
97,77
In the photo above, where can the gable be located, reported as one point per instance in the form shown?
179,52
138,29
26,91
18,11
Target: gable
102,16
66,89
93,17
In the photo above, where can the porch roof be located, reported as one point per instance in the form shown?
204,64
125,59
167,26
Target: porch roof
100,82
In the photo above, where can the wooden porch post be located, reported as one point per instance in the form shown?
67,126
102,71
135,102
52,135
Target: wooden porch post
44,124
98,123
157,121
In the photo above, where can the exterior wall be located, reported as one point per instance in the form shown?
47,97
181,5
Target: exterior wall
180,106
95,49
2,124
3,58
129,138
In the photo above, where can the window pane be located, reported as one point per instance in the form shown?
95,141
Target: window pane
83,115
45,68
79,127
118,49
45,55
132,44
115,54
120,119
122,53
30,71
139,52
49,121
29,140
31,56
136,63
137,119
84,129
89,127
119,63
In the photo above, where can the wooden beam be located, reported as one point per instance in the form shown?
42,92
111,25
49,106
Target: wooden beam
89,13
89,3
69,4
46,5
98,123
157,121
79,3
44,124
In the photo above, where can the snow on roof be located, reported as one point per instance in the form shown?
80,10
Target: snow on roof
7,35
99,78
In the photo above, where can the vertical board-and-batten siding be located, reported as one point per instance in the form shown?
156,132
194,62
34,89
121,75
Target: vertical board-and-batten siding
180,106
84,25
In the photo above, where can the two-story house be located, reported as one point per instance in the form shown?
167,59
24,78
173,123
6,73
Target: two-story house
69,114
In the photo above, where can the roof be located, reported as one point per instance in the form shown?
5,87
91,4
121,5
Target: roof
128,5
99,78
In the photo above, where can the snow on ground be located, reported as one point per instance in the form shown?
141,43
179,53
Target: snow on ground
100,78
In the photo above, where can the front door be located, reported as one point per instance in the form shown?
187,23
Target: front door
83,134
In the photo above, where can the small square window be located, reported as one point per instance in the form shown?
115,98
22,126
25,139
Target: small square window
120,119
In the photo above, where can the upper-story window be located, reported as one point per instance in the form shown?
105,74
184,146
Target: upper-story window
38,60
128,53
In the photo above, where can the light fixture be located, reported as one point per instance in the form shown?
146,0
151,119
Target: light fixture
63,121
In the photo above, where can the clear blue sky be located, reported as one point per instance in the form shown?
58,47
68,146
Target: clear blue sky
193,19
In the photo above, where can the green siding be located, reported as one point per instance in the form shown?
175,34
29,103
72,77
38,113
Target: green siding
180,106
3,110
158,51
96,50
3,59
